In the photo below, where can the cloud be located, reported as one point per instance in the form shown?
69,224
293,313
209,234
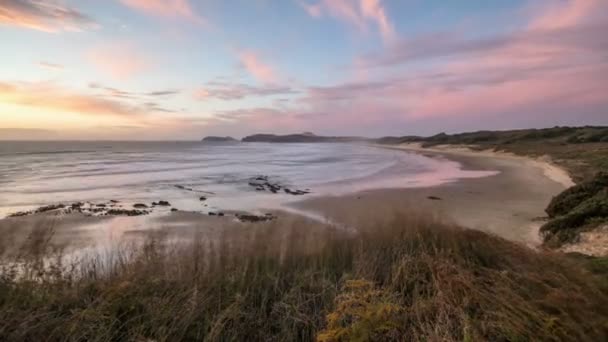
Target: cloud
166,92
568,14
541,75
552,71
47,16
358,13
119,60
373,10
173,9
119,93
50,66
258,69
527,44
228,91
52,97
26,134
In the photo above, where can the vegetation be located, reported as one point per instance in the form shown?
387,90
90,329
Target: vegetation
583,151
409,278
582,206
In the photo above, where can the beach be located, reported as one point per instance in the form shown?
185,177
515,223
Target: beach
509,203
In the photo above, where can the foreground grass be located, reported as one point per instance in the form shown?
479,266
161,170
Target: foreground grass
409,278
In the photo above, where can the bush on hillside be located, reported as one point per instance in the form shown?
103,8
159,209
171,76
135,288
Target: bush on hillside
572,197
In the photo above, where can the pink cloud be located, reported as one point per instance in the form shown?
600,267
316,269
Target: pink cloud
545,74
47,16
358,13
166,8
237,91
52,97
50,66
555,66
258,69
314,10
119,60
565,14
374,10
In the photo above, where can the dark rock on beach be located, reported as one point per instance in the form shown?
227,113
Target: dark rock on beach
40,210
140,206
126,212
264,183
255,218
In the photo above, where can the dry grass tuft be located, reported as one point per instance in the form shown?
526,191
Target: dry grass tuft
409,278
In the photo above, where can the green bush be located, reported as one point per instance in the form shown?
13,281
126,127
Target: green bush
569,199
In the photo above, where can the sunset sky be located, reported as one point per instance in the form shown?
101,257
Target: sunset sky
183,69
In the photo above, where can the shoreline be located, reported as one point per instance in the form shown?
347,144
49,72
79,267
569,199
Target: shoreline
550,169
509,204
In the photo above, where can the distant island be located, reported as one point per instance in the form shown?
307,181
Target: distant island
216,139
306,137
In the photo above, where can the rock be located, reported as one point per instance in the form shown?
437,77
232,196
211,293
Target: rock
140,206
20,214
211,213
216,139
126,212
255,218
164,203
202,198
220,214
114,201
434,198
174,210
50,208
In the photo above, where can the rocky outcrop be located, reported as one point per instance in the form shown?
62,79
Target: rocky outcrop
215,139
264,183
298,138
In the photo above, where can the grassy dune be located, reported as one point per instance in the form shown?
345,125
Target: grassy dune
583,151
409,278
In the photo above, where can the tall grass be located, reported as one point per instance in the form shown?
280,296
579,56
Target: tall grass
409,278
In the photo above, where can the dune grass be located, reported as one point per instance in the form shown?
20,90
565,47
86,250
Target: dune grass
409,278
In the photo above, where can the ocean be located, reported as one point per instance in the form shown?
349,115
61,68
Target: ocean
35,174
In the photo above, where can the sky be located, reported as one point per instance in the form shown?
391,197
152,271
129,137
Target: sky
184,69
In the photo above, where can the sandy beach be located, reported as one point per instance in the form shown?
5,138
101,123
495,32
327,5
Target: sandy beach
510,204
